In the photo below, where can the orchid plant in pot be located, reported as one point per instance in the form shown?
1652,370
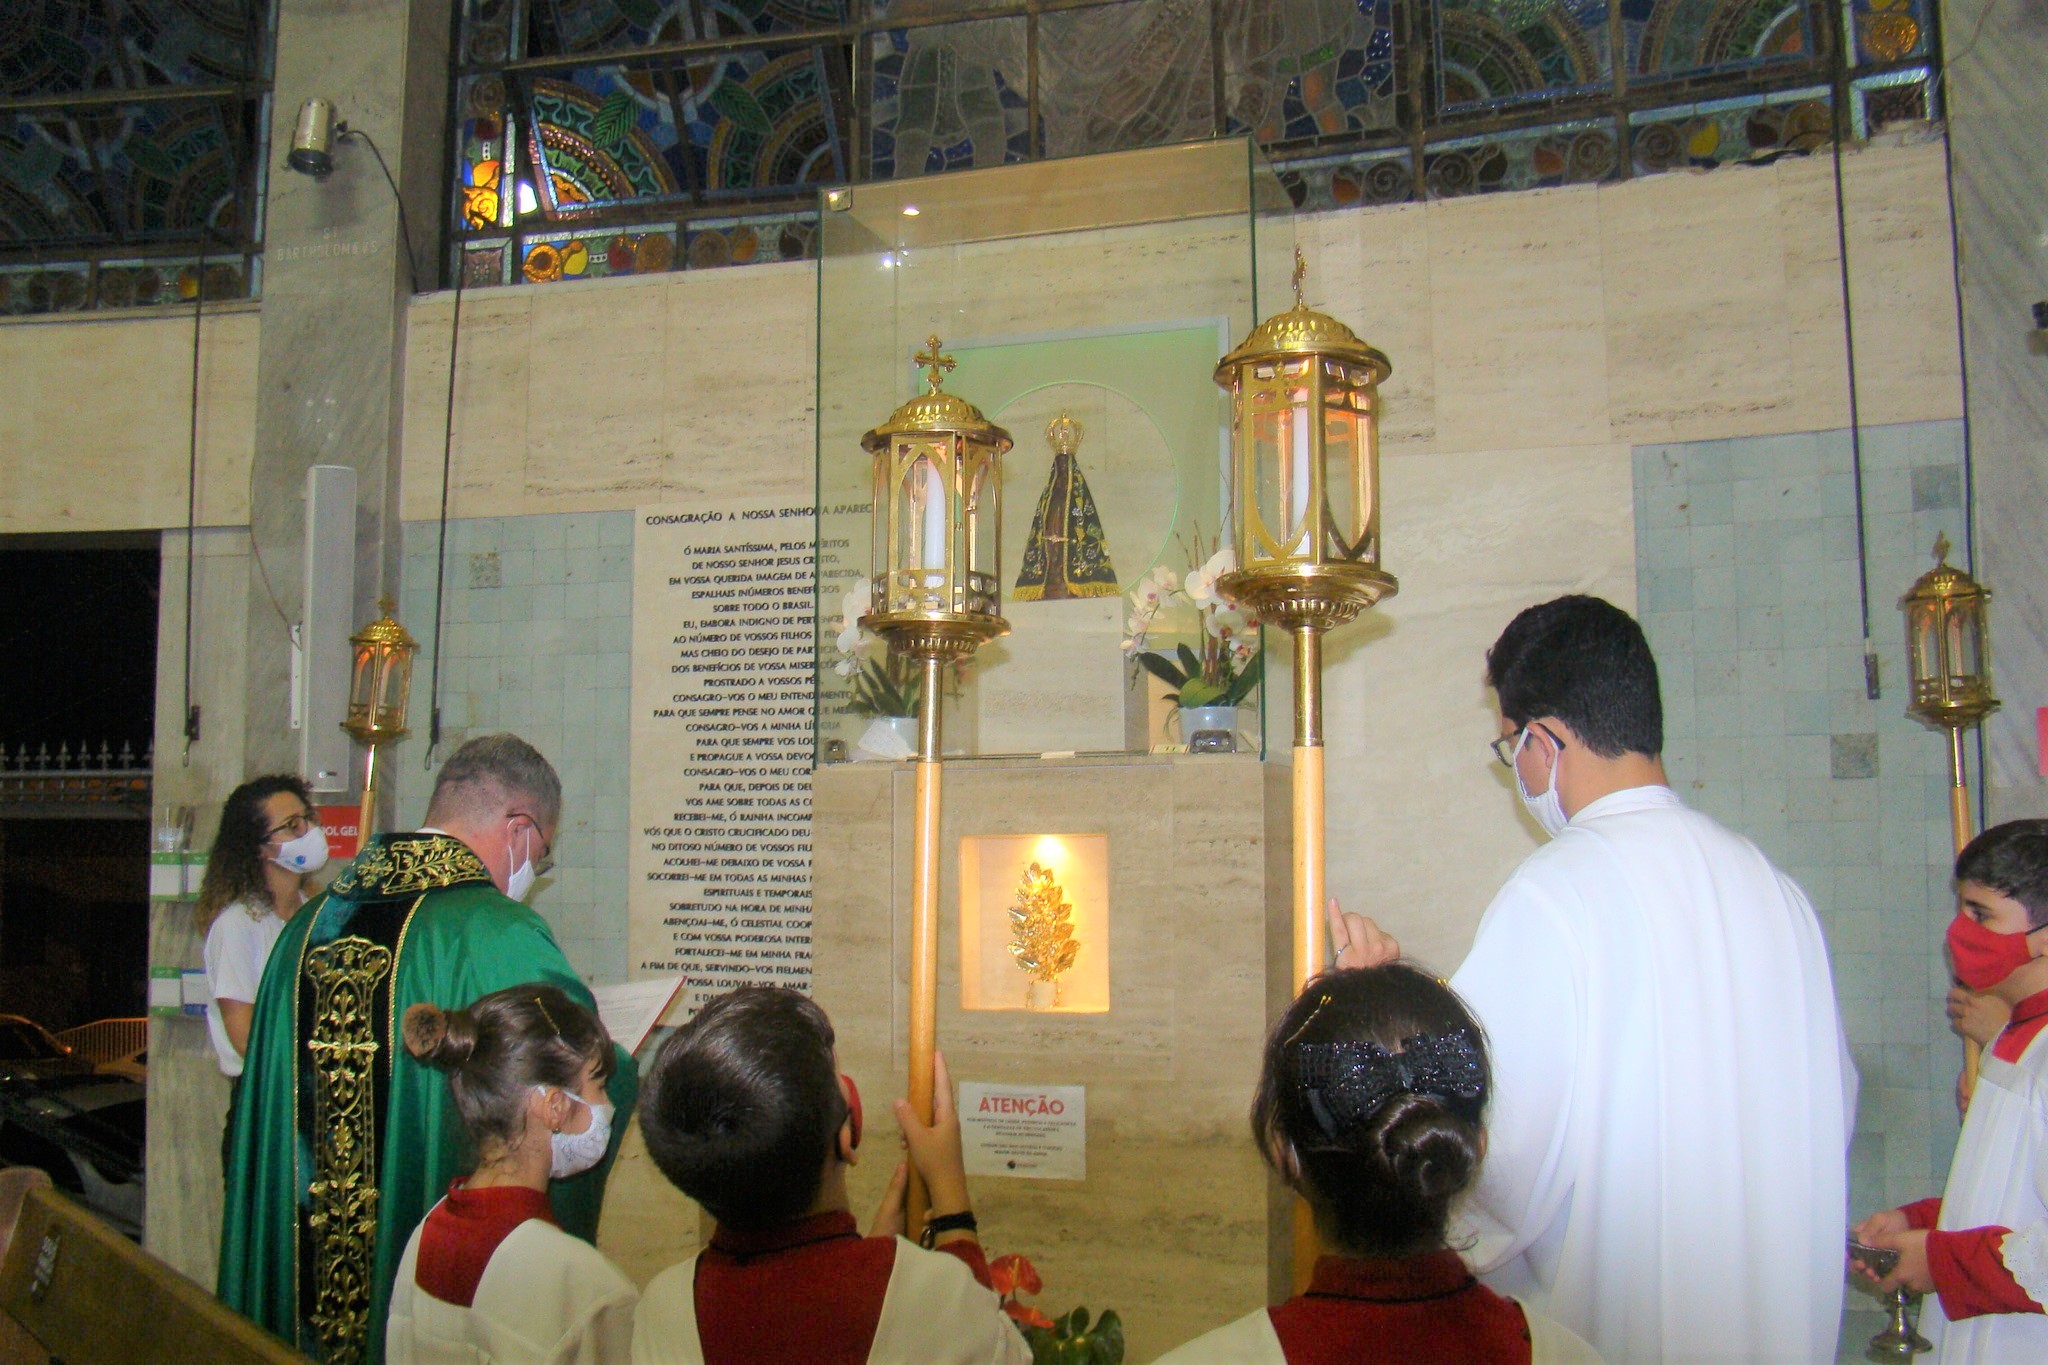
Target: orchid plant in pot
884,689
1212,677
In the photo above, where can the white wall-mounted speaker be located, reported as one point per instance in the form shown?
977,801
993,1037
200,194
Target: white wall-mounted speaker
326,752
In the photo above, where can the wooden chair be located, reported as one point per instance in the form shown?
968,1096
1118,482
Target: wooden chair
75,1291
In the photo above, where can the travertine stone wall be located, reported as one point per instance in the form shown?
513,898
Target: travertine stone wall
95,434
1997,106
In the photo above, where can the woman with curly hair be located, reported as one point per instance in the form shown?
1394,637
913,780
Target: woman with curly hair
268,843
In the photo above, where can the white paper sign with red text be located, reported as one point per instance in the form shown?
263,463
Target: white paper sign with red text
1039,1132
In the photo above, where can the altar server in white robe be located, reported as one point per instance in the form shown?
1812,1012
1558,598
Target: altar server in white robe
489,1276
1673,1096
1981,1249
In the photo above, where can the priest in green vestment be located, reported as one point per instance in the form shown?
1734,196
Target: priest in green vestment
340,1142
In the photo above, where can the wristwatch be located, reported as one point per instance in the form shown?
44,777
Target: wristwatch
946,1222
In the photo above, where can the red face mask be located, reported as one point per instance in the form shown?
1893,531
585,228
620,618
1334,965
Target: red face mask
1983,957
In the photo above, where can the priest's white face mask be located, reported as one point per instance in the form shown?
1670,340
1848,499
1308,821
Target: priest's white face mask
1547,806
520,876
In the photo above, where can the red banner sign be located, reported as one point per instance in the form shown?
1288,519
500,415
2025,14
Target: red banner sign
344,826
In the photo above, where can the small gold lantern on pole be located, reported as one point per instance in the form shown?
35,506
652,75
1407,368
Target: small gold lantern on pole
1305,456
1948,649
378,691
1305,472
936,597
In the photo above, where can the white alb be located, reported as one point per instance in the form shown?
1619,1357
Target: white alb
1666,1172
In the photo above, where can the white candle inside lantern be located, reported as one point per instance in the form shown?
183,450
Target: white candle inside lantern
1298,484
931,501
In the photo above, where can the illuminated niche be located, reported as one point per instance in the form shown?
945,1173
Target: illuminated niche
993,868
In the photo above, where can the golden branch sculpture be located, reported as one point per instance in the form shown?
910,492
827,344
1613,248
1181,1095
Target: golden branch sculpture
1042,932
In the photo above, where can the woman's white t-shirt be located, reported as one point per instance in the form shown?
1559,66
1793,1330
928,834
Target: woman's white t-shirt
237,946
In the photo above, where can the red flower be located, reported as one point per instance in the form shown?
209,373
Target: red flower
1027,1316
1014,1274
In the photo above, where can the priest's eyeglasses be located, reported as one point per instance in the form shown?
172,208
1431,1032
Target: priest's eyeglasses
545,863
293,828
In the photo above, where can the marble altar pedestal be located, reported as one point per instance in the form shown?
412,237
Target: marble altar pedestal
1176,1225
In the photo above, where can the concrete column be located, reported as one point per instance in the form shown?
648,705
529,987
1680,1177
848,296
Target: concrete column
330,358
335,288
1997,107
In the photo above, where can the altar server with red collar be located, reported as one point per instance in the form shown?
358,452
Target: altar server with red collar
1369,1106
746,1112
490,1275
1982,1247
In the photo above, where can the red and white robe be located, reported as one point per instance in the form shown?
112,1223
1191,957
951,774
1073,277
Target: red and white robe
815,1290
1419,1310
489,1276
1988,1248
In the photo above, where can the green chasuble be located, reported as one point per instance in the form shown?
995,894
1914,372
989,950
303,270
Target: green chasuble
340,1142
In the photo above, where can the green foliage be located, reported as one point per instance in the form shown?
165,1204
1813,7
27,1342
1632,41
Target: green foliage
1069,1341
737,103
888,688
614,120
1195,685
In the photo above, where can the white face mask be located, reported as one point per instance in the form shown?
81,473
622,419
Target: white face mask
307,853
575,1153
1547,807
519,885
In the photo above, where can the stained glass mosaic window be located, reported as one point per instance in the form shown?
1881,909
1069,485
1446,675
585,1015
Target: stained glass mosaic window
131,136
1495,52
606,136
609,134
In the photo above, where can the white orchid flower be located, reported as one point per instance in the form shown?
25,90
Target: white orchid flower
1226,623
846,668
1201,584
850,635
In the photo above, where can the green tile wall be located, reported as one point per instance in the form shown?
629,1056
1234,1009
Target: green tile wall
1746,554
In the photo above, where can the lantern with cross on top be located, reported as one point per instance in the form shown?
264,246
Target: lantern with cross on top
936,598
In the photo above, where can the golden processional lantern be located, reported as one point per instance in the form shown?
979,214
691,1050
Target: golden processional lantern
1948,649
1305,457
1305,473
1947,646
935,597
379,689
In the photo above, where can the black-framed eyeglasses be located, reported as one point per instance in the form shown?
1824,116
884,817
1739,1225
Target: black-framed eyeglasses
293,828
545,863
1504,747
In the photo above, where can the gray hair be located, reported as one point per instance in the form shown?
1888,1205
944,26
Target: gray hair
493,774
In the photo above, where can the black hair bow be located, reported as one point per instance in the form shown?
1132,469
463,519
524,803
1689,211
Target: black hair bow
1346,1083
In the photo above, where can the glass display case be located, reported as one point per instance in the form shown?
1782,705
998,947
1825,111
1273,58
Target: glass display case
1085,304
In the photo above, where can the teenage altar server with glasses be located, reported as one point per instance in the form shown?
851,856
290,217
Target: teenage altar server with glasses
1673,1098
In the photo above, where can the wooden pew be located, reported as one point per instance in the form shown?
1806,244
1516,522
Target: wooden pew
75,1292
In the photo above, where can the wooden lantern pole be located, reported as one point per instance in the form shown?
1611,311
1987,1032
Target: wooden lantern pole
924,923
1963,828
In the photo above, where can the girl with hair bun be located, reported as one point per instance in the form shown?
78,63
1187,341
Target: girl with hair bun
489,1275
1369,1106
